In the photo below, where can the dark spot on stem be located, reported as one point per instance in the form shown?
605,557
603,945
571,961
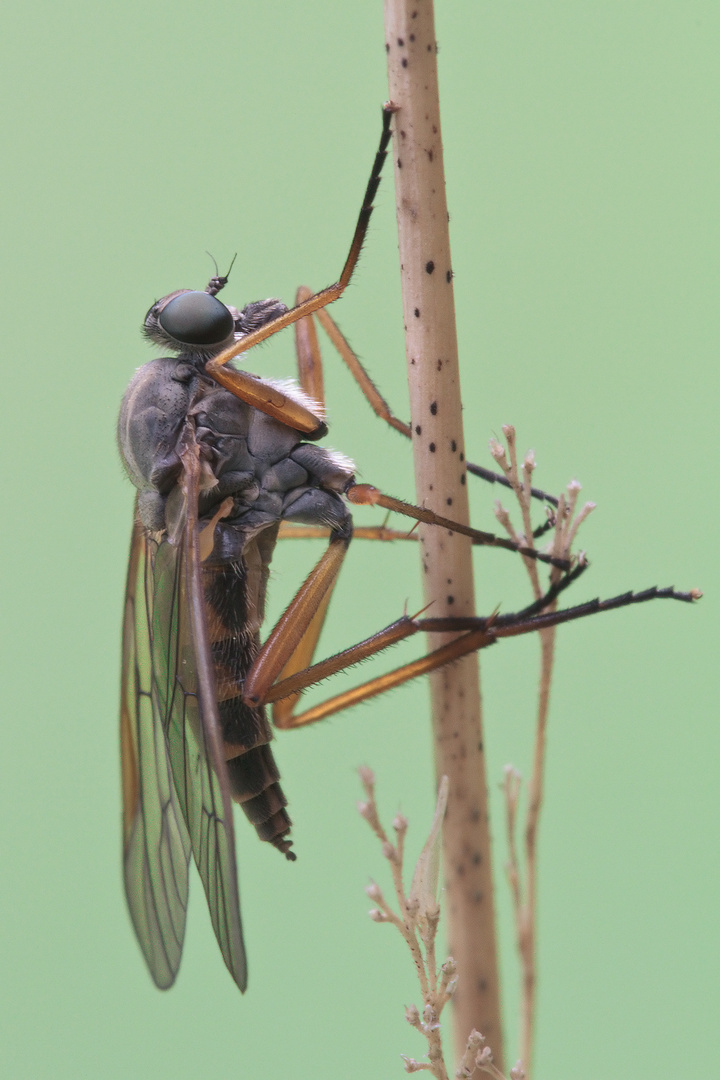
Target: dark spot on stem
433,408
418,429
453,446
431,447
417,312
429,267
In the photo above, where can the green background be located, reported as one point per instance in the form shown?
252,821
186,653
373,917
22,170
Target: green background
582,165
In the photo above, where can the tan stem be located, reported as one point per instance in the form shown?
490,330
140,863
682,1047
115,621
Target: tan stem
435,402
528,941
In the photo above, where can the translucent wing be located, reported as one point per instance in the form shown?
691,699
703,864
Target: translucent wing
156,846
185,686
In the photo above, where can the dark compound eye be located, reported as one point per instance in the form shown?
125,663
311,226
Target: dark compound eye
196,318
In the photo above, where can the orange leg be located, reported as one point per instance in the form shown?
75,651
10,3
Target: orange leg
380,406
214,367
286,640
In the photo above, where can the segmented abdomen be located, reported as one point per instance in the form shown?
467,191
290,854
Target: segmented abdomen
234,599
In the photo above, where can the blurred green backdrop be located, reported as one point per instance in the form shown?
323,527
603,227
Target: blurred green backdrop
582,163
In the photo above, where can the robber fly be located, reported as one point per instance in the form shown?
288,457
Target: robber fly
221,459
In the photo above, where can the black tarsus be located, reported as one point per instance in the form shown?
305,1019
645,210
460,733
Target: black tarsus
496,478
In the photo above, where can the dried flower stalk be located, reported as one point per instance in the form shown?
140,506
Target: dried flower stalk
567,521
435,403
417,921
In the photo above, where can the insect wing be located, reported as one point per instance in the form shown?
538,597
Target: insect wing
156,845
184,680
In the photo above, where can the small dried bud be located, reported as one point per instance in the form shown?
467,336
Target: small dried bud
432,914
484,1057
364,810
529,463
388,850
411,1065
367,777
497,450
475,1040
412,907
377,916
451,988
508,431
502,515
429,1015
412,1015
374,891
517,1072
400,823
449,967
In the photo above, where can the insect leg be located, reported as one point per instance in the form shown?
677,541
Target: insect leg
479,634
380,406
290,531
332,292
367,495
297,619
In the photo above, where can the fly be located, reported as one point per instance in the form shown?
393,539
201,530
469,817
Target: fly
222,461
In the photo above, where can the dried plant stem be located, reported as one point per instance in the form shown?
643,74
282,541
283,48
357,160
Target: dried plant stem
525,900
431,348
417,921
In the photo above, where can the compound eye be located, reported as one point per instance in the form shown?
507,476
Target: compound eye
196,318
